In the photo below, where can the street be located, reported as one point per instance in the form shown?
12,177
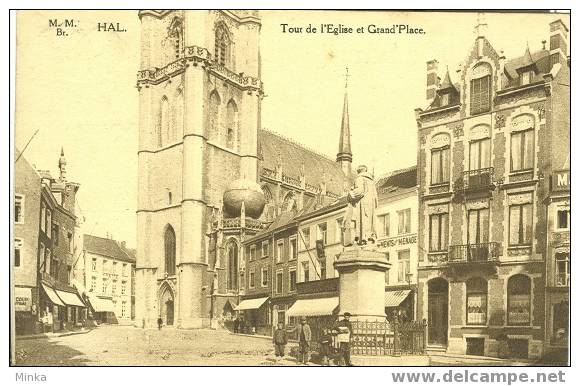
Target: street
128,346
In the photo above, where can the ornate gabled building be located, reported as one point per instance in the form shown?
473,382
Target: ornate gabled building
488,144
209,175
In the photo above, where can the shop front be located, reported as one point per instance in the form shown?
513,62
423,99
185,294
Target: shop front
52,314
74,309
255,316
25,311
102,309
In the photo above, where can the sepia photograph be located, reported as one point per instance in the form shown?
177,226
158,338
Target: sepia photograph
290,188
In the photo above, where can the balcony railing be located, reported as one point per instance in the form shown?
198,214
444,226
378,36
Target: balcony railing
474,253
474,180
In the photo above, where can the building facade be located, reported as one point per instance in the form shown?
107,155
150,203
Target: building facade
26,230
487,144
200,95
107,279
558,262
397,236
45,250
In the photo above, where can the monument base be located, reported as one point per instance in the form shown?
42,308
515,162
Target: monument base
362,282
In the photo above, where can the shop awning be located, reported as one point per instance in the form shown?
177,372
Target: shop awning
250,304
22,298
70,299
52,295
395,298
313,307
101,305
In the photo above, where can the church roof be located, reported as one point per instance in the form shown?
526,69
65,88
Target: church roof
107,247
293,156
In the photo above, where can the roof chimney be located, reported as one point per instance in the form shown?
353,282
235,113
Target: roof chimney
432,80
558,42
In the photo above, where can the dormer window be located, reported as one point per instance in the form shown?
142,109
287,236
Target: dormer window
444,100
526,77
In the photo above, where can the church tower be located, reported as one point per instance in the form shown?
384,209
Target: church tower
199,107
344,155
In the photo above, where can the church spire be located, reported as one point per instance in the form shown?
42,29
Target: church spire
62,165
344,155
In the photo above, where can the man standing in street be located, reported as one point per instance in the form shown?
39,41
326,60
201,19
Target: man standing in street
304,337
280,340
344,328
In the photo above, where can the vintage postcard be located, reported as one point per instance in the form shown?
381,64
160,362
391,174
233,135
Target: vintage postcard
291,188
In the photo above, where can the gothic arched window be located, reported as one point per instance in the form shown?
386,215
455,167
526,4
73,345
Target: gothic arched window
222,45
214,117
169,242
178,116
232,125
232,278
164,126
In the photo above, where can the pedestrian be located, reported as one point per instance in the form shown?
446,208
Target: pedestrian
50,322
159,322
236,325
280,340
325,346
344,337
304,336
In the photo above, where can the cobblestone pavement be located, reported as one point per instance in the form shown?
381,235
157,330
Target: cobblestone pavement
129,346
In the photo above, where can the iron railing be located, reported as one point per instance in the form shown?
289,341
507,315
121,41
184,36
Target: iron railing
381,337
473,180
474,253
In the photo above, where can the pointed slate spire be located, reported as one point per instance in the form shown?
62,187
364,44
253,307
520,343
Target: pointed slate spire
344,155
62,165
527,60
446,81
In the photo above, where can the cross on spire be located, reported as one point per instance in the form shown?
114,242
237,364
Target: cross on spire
346,76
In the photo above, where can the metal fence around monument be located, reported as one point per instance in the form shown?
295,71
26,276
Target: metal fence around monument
381,337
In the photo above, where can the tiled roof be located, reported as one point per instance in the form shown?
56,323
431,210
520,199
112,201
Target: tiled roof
293,156
107,247
279,222
397,180
541,59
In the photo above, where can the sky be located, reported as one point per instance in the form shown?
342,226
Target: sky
79,91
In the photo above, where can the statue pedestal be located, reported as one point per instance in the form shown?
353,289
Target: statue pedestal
362,282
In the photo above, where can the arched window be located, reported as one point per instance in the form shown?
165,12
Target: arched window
178,116
519,300
476,289
522,143
222,45
289,202
232,125
440,147
480,89
232,277
214,116
163,134
169,241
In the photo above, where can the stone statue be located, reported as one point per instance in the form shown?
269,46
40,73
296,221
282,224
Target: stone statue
361,210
